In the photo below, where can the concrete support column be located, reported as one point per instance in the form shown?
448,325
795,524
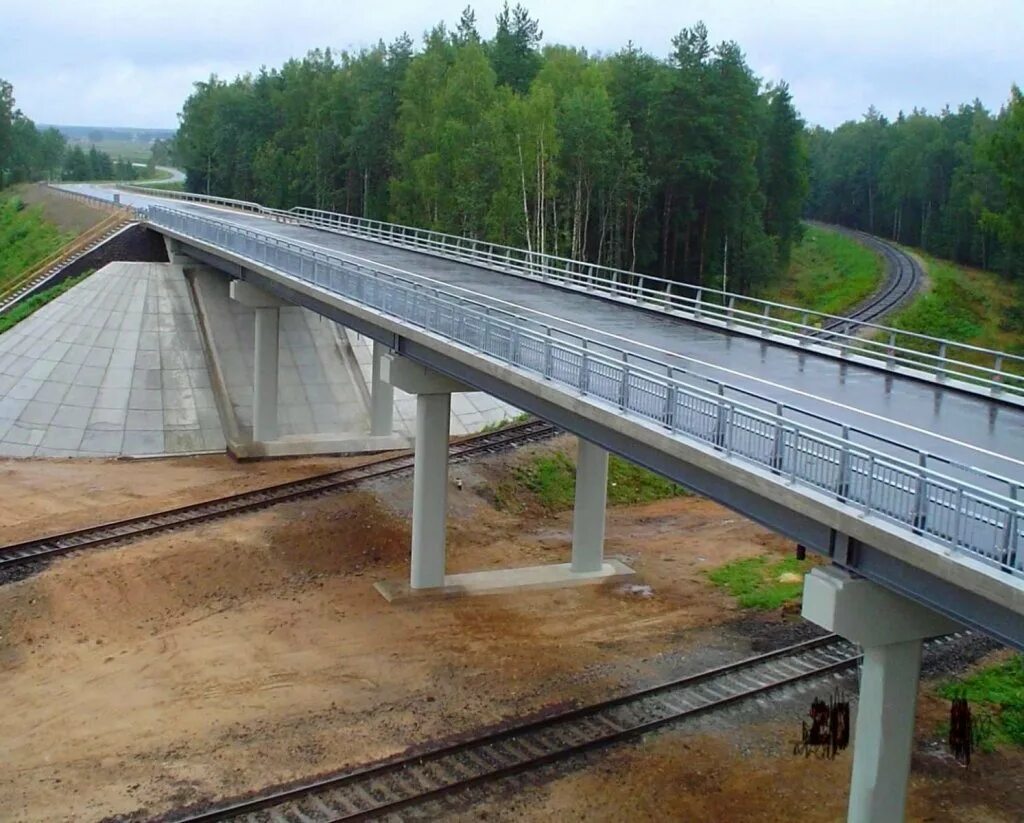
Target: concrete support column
267,309
890,629
884,733
265,367
382,396
430,470
589,514
430,491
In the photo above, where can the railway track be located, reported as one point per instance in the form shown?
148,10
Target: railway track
119,531
426,779
903,278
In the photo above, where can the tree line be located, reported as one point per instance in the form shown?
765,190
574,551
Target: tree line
29,154
951,183
676,166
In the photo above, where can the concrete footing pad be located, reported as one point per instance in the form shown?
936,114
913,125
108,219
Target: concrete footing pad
549,576
302,445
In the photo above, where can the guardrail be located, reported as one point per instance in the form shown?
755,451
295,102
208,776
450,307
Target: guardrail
943,359
884,345
14,291
952,513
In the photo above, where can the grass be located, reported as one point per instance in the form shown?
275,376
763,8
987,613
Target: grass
504,423
36,302
828,272
26,238
754,581
550,480
998,691
967,305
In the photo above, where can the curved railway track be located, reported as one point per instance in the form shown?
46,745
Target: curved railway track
29,551
903,278
430,777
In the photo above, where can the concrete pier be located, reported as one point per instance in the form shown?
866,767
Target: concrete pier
588,517
890,628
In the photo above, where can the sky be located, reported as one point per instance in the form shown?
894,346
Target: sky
117,63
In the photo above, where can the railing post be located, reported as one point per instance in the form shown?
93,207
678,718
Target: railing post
670,402
997,388
921,495
624,385
584,373
767,314
871,485
957,517
941,376
1010,533
732,307
696,303
844,478
548,356
890,360
720,418
778,441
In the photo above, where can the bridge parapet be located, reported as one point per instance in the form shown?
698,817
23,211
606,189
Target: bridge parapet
949,514
971,368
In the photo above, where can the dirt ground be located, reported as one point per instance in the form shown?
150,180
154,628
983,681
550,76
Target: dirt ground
71,216
251,651
50,496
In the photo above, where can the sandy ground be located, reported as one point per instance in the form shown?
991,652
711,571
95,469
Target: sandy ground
50,496
71,216
209,662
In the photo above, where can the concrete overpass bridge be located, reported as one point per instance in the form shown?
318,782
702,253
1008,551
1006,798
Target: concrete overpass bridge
897,457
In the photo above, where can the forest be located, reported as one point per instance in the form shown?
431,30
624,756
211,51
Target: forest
28,154
627,160
951,183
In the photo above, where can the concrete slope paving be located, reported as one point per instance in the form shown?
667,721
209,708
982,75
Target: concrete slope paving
113,367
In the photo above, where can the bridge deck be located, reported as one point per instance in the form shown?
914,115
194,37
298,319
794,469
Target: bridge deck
959,426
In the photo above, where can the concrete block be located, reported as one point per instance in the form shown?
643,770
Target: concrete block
501,581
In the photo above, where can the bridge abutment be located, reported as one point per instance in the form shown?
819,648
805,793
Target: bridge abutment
890,629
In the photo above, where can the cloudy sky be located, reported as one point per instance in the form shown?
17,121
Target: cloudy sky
132,63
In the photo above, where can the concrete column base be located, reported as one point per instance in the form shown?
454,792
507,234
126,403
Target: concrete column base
500,581
303,445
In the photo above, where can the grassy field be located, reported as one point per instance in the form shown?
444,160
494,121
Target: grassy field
829,272
996,694
550,481
36,302
26,237
135,151
763,582
967,305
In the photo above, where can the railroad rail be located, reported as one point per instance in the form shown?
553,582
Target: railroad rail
132,528
903,279
383,788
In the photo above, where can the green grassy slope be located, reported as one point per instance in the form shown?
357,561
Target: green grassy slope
26,238
829,272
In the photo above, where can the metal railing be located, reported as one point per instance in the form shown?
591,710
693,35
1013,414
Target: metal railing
997,372
951,512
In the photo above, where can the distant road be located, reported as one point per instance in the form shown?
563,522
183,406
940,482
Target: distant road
176,176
